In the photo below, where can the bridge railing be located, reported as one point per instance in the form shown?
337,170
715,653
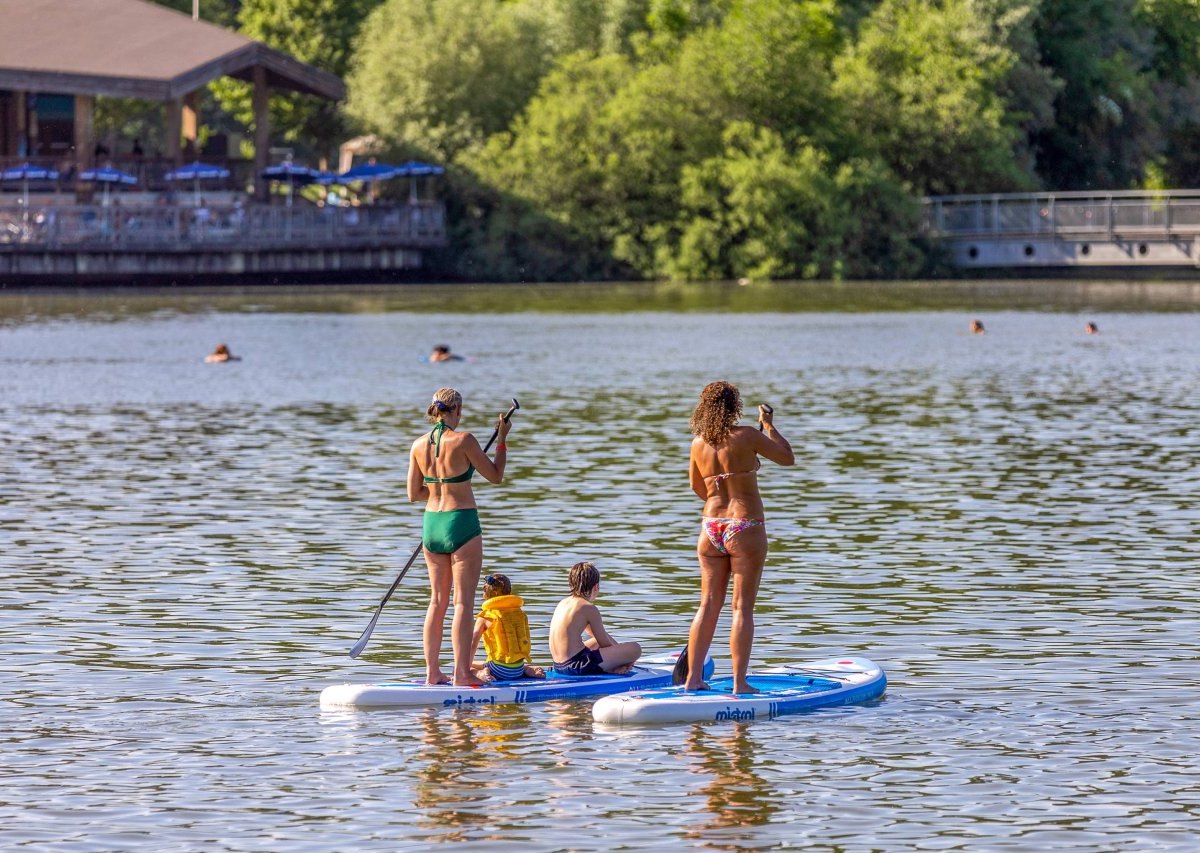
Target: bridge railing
1170,213
224,226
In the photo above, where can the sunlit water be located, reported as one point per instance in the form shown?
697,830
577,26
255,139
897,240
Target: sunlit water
1008,523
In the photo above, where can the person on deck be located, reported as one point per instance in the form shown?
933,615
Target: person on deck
733,536
441,464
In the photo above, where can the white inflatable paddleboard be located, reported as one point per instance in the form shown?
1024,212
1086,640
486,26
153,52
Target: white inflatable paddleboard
654,671
783,690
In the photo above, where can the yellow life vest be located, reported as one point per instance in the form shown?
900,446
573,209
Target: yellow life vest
507,636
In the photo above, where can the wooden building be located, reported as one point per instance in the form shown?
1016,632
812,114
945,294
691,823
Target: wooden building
58,56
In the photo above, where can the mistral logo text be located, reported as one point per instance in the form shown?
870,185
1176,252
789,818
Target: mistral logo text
734,714
470,700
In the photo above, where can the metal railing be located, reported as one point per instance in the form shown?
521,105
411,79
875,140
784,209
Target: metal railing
225,227
1169,213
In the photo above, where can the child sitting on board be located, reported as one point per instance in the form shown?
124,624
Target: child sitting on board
504,629
599,654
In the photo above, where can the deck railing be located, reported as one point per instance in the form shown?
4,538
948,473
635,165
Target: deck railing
1169,213
226,226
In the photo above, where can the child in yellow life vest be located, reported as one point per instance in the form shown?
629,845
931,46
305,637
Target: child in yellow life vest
504,629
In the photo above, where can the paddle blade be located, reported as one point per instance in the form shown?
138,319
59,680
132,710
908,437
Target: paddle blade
680,673
357,648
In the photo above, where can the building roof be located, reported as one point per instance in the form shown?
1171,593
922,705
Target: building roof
133,48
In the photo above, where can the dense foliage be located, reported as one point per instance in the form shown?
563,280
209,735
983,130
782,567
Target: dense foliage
759,138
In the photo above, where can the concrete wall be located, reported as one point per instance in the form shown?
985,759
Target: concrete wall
1157,251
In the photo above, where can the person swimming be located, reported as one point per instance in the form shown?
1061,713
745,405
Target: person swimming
1091,329
977,327
220,354
441,352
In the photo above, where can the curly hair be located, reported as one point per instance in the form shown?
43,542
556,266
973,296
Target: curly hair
584,577
719,410
445,400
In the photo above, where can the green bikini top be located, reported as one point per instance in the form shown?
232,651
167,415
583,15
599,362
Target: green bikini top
435,438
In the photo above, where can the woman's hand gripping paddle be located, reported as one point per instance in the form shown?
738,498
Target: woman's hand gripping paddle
764,409
357,648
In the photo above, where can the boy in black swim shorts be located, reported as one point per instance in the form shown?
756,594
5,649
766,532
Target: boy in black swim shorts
577,614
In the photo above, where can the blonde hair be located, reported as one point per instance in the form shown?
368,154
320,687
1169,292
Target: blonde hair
445,400
494,585
717,413
584,578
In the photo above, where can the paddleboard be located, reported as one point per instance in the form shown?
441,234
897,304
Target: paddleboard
784,690
653,671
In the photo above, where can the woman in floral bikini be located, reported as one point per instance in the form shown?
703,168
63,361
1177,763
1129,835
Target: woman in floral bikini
733,538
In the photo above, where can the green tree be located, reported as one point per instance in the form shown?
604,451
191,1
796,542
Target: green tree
920,87
1104,131
318,32
756,210
446,75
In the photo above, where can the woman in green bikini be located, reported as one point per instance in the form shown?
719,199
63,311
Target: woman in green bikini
441,464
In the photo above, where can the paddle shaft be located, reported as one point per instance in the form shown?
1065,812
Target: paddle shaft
358,647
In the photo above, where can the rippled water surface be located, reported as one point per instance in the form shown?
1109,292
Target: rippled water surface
1009,523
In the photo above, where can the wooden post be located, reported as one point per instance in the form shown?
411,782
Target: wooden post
262,130
174,117
85,137
190,124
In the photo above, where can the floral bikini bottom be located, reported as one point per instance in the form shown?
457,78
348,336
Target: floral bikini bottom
721,530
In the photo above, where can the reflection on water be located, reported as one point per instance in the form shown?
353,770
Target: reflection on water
1008,522
738,796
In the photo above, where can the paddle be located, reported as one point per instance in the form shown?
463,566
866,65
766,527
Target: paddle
761,409
680,673
358,647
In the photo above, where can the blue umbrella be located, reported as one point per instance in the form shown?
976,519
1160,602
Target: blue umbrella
27,172
370,172
292,173
197,172
416,167
108,176
413,168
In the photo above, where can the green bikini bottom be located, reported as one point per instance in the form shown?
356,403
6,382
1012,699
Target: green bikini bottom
446,532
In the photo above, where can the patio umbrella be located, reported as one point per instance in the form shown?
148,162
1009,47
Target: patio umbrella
197,172
371,173
108,176
413,168
25,173
291,173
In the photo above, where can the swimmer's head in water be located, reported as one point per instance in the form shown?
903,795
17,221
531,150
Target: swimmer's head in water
719,410
445,401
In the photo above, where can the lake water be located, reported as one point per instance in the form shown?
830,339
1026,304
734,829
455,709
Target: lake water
1009,523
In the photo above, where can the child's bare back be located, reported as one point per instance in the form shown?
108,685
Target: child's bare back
576,615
